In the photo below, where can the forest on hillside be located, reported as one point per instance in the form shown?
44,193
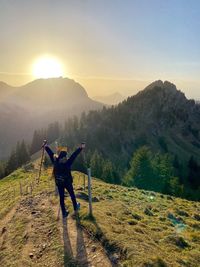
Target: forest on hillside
112,158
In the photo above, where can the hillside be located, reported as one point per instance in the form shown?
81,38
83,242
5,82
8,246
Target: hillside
5,90
135,227
40,102
160,117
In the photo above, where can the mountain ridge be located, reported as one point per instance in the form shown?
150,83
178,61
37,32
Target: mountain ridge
40,102
159,118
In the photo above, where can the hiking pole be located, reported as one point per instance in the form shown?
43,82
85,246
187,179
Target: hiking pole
56,188
42,157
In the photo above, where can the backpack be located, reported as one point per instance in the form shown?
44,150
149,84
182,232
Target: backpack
59,180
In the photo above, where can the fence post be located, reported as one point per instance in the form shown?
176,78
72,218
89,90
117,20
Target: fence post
31,189
20,188
84,182
89,191
79,179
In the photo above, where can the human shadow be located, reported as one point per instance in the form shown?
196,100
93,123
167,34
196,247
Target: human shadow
81,252
68,253
109,248
80,259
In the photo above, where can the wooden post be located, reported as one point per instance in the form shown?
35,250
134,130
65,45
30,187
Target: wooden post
79,179
49,185
84,182
89,192
31,189
20,188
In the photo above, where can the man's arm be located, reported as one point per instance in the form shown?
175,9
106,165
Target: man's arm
74,155
49,152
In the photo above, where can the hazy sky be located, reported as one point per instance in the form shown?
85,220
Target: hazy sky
106,45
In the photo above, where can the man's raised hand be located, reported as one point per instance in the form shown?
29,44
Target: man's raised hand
82,145
44,143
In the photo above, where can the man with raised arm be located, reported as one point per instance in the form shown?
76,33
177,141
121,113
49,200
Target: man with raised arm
62,173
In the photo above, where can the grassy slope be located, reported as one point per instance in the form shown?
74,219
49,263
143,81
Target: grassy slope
146,227
143,228
26,224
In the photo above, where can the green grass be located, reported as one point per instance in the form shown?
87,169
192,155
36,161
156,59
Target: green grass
10,188
21,231
137,225
143,228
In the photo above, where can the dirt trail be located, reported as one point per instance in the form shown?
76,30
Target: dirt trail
31,235
4,225
7,217
79,248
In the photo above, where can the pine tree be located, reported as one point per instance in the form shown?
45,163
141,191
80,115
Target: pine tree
163,171
96,164
38,137
36,142
108,172
19,156
141,172
23,154
12,163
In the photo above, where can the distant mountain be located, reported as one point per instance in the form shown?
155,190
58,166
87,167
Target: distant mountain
47,94
34,105
112,99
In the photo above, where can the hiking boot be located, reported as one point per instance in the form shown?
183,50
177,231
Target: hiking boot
78,206
76,211
65,214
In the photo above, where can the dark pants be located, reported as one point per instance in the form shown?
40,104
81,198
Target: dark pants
70,189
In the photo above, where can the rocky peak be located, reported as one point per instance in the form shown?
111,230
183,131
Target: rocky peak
154,84
160,84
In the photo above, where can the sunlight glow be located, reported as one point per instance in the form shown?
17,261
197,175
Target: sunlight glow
47,67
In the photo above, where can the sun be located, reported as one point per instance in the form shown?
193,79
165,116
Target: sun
47,67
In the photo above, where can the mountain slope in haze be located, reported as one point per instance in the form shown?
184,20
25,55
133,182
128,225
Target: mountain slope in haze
112,99
48,94
5,90
136,228
160,116
34,105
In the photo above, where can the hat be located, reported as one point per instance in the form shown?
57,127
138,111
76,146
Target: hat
61,148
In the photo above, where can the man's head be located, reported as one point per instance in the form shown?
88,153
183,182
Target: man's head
62,152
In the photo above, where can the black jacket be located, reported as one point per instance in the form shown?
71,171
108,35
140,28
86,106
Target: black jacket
62,167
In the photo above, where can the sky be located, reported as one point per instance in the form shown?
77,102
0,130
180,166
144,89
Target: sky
106,45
